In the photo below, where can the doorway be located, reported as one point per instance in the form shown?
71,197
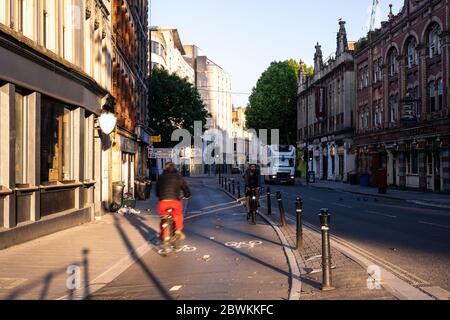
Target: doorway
394,172
437,172
325,168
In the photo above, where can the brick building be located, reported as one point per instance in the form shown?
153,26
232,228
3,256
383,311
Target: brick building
402,100
130,70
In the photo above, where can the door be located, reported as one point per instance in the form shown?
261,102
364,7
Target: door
437,172
325,168
394,172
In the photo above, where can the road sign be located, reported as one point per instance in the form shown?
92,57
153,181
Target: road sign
163,153
156,139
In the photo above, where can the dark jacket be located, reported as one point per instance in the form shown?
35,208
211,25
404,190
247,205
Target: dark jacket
252,179
170,185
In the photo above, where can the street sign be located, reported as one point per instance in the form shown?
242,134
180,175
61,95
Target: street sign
156,139
163,153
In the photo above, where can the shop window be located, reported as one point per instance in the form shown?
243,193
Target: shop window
55,142
430,163
21,124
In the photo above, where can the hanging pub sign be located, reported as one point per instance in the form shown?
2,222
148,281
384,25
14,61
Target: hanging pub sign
408,109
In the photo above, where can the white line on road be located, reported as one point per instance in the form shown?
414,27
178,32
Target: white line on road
434,224
176,288
342,205
382,214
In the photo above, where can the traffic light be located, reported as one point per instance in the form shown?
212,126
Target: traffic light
310,155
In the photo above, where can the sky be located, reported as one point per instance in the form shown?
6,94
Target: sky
245,36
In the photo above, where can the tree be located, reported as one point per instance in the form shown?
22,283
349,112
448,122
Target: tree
273,102
174,104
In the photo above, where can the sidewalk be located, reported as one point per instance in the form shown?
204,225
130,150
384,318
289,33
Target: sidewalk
416,197
38,269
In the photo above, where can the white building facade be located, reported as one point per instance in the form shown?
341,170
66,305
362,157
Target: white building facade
55,76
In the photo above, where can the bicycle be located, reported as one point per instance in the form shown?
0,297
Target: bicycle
169,239
253,205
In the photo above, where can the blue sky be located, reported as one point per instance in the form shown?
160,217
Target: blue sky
244,36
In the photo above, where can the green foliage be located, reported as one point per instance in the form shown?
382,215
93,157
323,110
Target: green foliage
273,102
174,104
309,71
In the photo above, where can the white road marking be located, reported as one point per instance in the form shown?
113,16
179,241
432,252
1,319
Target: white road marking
382,214
342,205
434,224
176,288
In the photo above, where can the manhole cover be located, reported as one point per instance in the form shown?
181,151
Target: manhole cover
8,284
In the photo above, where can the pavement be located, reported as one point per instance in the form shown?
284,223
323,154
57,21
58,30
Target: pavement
430,199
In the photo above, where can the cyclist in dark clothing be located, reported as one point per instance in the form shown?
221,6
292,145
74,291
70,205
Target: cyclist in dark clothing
168,190
252,178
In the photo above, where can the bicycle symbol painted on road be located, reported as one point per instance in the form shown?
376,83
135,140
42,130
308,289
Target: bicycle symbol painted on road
244,245
185,249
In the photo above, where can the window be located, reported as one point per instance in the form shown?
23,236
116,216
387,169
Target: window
393,109
416,96
432,96
377,74
21,138
412,53
55,141
366,77
434,41
393,63
440,94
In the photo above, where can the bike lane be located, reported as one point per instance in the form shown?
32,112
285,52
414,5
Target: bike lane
224,258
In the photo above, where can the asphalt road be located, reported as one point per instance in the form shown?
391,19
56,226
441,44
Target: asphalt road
215,269
412,239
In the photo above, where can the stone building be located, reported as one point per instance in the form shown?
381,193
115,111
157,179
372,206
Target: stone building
130,142
55,76
402,101
325,112
214,86
167,52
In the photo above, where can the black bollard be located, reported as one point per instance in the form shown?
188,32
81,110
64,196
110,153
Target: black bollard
326,250
299,212
229,185
234,187
225,184
281,207
269,201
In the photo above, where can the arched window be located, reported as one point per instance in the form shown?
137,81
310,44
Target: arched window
413,56
434,40
393,62
432,96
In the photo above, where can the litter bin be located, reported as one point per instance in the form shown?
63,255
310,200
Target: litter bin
311,177
140,186
364,180
382,181
117,196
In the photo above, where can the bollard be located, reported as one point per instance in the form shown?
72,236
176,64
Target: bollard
234,187
269,201
225,184
299,212
281,207
229,185
239,190
326,250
